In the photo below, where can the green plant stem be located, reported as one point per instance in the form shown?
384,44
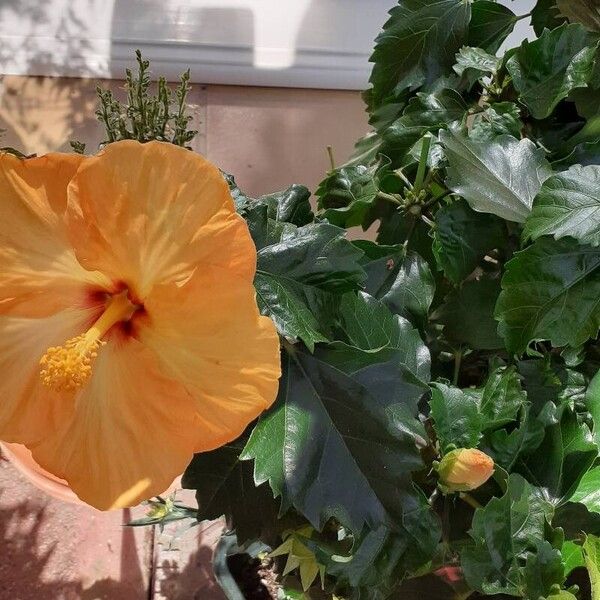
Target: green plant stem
389,198
521,17
457,361
465,497
422,164
331,159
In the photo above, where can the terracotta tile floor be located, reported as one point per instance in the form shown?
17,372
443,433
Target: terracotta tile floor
268,138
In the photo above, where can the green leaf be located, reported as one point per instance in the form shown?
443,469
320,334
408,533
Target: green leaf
425,113
502,398
507,447
546,70
500,177
588,490
297,279
402,281
586,153
568,204
468,315
455,416
475,63
550,292
586,12
572,555
338,445
368,324
490,25
504,532
592,402
545,15
502,118
225,486
544,570
346,195
591,553
562,459
417,45
380,558
462,237
291,205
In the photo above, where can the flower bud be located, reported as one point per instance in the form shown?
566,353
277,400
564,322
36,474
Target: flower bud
464,469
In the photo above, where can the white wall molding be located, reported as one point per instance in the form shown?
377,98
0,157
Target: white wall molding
299,43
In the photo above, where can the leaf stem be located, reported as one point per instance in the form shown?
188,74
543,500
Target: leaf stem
422,164
331,159
521,17
465,497
389,197
457,361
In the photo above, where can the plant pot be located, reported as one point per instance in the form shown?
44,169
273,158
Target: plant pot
226,548
20,457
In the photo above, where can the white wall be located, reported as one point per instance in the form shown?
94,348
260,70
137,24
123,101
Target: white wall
303,43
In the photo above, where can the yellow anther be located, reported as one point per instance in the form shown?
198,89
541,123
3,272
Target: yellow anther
69,366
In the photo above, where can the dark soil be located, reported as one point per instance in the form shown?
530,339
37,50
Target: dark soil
256,579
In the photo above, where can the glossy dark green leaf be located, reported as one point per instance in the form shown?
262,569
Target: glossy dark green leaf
592,402
568,204
588,490
475,63
291,205
335,445
491,23
381,557
550,292
507,447
424,113
456,417
501,118
265,230
562,459
545,15
544,570
504,532
297,278
462,237
225,486
467,314
586,12
346,195
501,176
402,281
546,70
502,398
417,45
367,324
586,153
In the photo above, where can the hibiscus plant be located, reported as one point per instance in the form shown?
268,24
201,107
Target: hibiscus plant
411,412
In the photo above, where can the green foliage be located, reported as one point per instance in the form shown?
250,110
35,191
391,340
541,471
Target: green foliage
144,117
472,320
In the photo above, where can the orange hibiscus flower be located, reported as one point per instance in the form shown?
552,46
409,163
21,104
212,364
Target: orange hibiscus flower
130,337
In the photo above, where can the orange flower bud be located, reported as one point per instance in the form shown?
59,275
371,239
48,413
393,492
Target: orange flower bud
464,469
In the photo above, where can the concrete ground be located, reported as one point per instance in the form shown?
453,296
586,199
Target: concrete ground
268,138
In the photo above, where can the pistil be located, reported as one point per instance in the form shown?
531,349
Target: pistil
69,366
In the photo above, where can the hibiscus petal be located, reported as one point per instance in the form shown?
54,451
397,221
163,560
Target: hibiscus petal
29,410
149,213
39,274
131,433
210,335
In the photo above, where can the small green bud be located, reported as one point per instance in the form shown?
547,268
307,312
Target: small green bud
464,469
